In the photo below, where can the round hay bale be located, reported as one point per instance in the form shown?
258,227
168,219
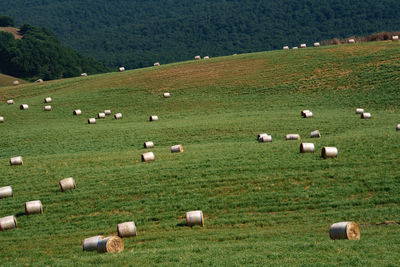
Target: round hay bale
359,110
47,108
48,100
153,118
107,112
286,47
16,161
197,57
148,144
39,81
329,152
118,116
121,69
15,82
126,229
365,115
101,115
84,74
110,244
292,137
303,112
303,45
206,57
294,47
77,112
67,183
176,149
91,121
398,127
261,135
315,134
156,64
32,207
8,222
307,148
1,119
194,218
344,230
166,95
316,44
90,243
10,102
351,41
148,156
308,115
6,191
395,37
24,107
265,139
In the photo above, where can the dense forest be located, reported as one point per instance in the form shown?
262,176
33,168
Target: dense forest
137,33
39,54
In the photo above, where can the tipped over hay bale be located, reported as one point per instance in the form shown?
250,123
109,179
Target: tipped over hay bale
292,137
8,222
24,107
90,243
121,69
33,207
315,134
294,47
1,119
15,82
91,121
395,37
303,46
84,74
197,57
329,152
101,115
118,116
194,218
107,112
153,118
286,47
176,149
166,95
148,156
77,112
206,57
365,115
10,101
126,229
359,110
110,244
308,115
307,148
16,161
148,144
316,44
344,230
156,64
48,100
47,108
351,41
398,127
304,112
6,191
67,183
265,139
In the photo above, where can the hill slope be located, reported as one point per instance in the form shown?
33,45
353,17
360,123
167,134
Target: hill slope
6,80
264,203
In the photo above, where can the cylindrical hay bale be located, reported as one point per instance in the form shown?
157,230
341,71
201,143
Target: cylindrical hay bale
148,144
148,156
67,183
77,112
33,207
265,139
6,191
91,121
344,230
329,152
10,101
101,115
110,244
351,41
8,222
294,47
316,44
16,161
84,74
48,100
197,57
292,137
395,37
1,119
39,81
359,110
365,115
15,82
118,116
308,115
156,64
194,218
286,47
307,148
126,229
398,127
303,46
107,112
153,118
47,108
166,95
304,112
261,135
176,149
206,57
90,243
24,107
121,69
315,134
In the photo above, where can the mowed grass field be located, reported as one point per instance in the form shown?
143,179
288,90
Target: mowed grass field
264,203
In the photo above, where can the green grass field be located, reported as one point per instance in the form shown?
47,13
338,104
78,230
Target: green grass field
264,203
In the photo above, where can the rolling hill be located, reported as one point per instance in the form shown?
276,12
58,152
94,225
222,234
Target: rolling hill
264,203
6,80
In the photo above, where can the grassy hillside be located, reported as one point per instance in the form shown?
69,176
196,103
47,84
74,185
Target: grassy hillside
264,203
6,80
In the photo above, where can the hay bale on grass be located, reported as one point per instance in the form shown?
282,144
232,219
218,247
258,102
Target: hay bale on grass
8,222
148,156
315,134
166,95
24,107
148,144
118,116
264,138
206,57
101,115
33,207
6,191
329,152
48,100
352,41
344,230
84,74
110,244
307,148
121,69
47,108
303,45
107,112
176,149
77,112
1,119
365,115
316,44
303,112
294,47
286,47
194,218
153,118
156,64
10,101
292,137
197,57
308,115
398,127
90,243
39,81
16,161
15,82
126,229
67,183
91,121
395,37
359,110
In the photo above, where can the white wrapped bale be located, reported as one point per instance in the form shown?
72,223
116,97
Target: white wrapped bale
166,95
292,137
261,135
359,110
194,218
304,112
84,74
307,148
156,64
126,229
265,139
91,121
67,183
15,82
148,156
395,37
148,144
351,41
286,47
77,112
90,243
153,118
107,112
16,161
121,69
101,115
1,119
33,207
197,57
118,116
24,107
176,149
303,45
398,127
8,222
329,152
344,230
294,47
365,115
308,115
48,100
316,44
6,191
315,134
110,244
47,108
206,57
10,101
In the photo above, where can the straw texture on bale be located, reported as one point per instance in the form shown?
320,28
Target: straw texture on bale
6,191
153,118
126,229
366,115
166,95
286,47
398,127
194,218
148,156
315,134
15,82
265,139
148,144
308,115
197,57
8,222
84,74
10,101
292,137
91,121
90,243
33,207
101,115
206,57
110,244
351,41
307,148
16,161
48,100
118,116
107,112
121,69
156,64
1,119
329,152
395,37
344,230
67,183
303,46
176,149
24,107
304,112
359,110
47,108
316,44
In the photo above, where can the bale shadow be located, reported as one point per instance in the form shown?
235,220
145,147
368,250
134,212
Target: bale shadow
181,224
20,214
